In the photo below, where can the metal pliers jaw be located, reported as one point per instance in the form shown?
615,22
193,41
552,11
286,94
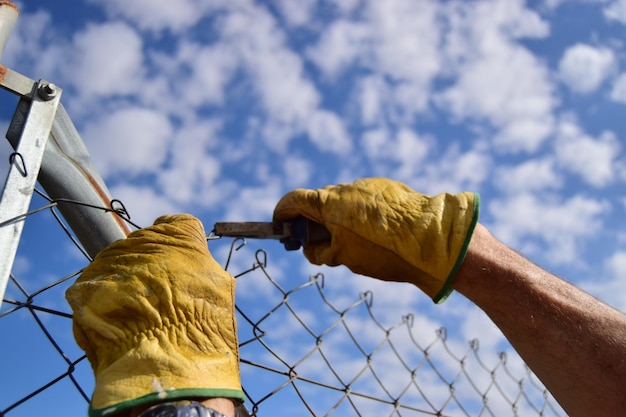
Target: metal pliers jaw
293,234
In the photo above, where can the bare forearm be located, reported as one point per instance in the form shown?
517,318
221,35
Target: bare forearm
574,343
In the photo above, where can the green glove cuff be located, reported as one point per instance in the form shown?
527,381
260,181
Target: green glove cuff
177,394
446,290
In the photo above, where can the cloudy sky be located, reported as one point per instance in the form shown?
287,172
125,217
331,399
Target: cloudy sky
218,108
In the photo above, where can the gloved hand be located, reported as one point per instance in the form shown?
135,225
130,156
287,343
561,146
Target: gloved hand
383,229
155,315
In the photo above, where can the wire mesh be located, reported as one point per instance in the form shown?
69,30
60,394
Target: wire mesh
302,353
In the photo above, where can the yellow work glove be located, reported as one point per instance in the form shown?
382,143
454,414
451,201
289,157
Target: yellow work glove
383,229
155,315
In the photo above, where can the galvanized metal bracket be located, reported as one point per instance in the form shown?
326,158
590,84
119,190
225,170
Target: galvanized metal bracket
25,163
48,149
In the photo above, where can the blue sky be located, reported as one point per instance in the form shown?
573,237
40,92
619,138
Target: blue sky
218,108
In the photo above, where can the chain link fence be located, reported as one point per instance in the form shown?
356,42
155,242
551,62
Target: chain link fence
301,353
304,351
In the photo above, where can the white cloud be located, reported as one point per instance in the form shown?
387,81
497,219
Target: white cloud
200,74
390,301
371,96
129,141
610,286
106,60
499,80
143,204
476,325
406,152
287,97
193,174
373,142
519,21
616,10
379,101
341,43
516,99
187,181
253,284
158,15
616,265
454,171
527,133
618,92
346,6
297,171
328,132
398,40
254,203
398,154
583,68
96,62
481,26
613,291
531,175
24,46
22,266
296,13
404,39
409,150
560,224
593,159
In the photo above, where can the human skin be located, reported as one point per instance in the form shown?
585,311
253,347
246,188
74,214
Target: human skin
574,343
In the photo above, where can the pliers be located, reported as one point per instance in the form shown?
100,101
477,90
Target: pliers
294,234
